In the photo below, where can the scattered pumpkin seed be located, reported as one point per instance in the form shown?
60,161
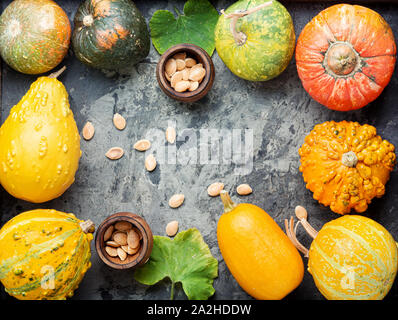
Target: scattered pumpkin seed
172,228
119,121
150,163
142,145
244,189
171,135
115,153
176,200
214,189
88,131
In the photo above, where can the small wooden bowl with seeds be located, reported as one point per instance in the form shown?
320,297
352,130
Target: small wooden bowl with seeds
185,72
124,241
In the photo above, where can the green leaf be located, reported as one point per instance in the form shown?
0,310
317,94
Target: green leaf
186,259
195,26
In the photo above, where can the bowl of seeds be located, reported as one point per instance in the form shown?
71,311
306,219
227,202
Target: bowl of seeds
185,72
124,241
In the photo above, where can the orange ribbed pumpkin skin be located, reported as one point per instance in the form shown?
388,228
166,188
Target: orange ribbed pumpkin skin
346,56
258,254
353,258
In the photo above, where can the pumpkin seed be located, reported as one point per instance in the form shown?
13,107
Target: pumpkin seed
167,76
133,239
170,67
182,86
115,153
142,145
193,85
121,253
150,163
123,226
111,251
189,62
197,74
180,55
214,189
176,200
129,250
120,238
244,189
138,232
88,131
180,64
177,77
171,135
108,233
119,121
172,228
113,244
185,74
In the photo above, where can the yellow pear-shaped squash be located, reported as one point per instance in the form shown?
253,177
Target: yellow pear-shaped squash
40,144
353,258
257,252
44,254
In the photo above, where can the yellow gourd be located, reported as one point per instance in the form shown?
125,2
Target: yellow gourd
44,254
40,143
257,252
350,258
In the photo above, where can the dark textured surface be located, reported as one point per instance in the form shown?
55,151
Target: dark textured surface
279,112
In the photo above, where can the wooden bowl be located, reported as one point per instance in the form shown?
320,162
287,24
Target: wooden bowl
200,56
146,244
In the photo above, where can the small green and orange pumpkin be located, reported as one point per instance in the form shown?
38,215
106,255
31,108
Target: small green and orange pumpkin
110,34
34,35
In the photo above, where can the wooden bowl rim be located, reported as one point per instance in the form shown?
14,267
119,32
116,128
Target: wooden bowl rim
143,227
204,86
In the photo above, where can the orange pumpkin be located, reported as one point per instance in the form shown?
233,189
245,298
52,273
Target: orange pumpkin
346,56
346,165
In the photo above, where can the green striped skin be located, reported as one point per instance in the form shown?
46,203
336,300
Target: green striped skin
37,241
357,248
34,35
270,41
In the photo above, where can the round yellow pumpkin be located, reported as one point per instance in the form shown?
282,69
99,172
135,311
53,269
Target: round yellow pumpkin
44,254
353,258
257,252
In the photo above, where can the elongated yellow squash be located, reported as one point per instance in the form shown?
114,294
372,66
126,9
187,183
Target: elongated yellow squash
44,254
257,252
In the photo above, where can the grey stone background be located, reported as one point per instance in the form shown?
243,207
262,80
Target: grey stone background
279,112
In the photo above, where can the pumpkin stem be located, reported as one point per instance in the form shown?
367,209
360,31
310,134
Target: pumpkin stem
301,214
240,37
56,74
87,226
291,234
229,205
349,159
88,20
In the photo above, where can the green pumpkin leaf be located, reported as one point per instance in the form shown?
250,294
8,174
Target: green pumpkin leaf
195,26
186,259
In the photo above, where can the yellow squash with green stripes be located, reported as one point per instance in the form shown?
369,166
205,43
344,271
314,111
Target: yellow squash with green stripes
353,257
44,254
255,39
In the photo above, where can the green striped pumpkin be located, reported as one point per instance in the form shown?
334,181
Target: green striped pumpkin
265,42
44,254
353,258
